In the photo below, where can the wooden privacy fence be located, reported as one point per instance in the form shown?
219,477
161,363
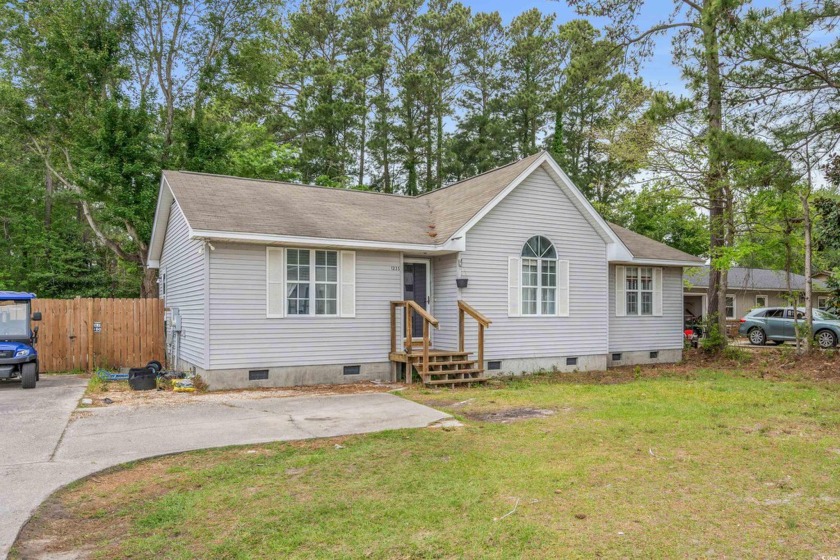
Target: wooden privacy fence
83,334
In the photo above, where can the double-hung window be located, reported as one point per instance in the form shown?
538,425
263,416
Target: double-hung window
730,307
639,290
326,283
298,280
311,282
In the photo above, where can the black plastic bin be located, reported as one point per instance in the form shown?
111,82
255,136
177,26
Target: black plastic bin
142,379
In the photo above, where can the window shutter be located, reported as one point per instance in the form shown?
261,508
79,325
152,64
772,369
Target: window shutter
274,282
620,291
514,287
657,292
348,284
563,288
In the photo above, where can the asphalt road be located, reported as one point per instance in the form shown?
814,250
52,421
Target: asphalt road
46,443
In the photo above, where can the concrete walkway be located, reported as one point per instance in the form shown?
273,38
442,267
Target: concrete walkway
45,445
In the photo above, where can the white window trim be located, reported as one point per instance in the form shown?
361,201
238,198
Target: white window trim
766,300
539,286
621,291
162,285
312,283
639,291
734,307
826,298
345,282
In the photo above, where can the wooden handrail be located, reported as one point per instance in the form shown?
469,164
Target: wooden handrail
465,308
410,307
417,308
477,315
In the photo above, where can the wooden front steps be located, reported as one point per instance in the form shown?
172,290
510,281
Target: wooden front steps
445,367
436,367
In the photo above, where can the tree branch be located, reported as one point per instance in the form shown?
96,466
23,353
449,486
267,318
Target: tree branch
657,29
100,235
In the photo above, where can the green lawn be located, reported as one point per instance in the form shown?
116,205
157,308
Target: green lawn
704,464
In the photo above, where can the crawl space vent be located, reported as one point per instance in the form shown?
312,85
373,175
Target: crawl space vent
352,370
617,356
257,374
494,365
571,361
654,355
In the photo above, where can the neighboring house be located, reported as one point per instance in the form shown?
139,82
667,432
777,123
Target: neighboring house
747,289
272,283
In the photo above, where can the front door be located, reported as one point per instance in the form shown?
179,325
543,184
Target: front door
416,288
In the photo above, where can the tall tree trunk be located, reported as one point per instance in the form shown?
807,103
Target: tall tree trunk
427,118
717,219
806,226
809,306
363,139
383,116
48,199
439,155
149,287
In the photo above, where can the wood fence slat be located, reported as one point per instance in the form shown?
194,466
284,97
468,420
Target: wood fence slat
131,333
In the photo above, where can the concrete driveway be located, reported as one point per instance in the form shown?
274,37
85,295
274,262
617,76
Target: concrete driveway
45,444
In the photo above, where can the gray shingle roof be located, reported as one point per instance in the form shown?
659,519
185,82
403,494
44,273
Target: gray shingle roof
219,203
646,248
741,278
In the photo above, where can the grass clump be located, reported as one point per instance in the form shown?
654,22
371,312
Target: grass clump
97,385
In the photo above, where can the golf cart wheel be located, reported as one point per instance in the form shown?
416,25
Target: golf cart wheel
826,339
757,336
28,375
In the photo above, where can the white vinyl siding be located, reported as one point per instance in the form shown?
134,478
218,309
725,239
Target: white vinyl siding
241,336
445,300
183,259
538,206
630,333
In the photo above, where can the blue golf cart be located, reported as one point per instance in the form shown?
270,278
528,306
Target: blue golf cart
18,357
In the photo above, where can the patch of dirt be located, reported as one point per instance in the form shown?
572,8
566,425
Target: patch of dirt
121,395
509,415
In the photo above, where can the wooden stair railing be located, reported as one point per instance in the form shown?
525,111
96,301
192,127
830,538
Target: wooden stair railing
411,307
465,308
438,367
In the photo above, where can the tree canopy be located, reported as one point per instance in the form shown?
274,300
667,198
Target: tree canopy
405,96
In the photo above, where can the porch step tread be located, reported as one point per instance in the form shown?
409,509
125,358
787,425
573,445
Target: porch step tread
437,353
453,363
451,371
452,381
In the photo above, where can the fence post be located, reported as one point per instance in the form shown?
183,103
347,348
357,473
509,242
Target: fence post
90,335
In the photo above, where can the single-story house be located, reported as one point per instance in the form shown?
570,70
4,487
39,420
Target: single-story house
748,288
510,271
